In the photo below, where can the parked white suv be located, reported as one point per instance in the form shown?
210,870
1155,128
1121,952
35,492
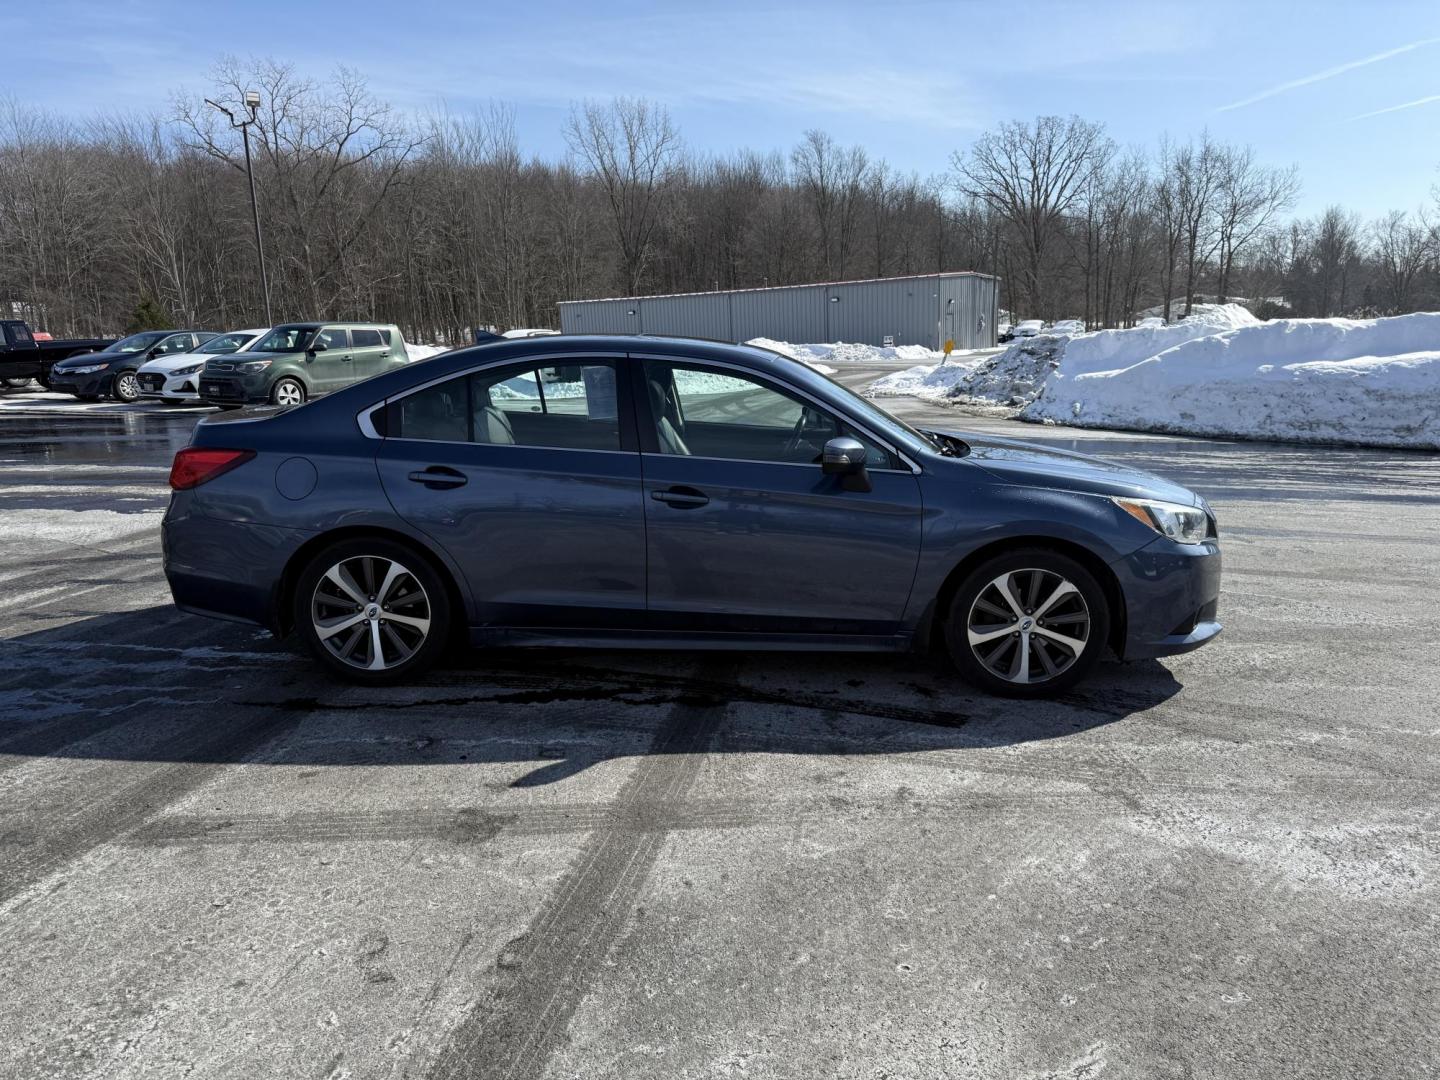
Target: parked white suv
176,377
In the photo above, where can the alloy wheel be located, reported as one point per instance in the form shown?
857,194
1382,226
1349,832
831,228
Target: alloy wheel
289,393
126,388
370,612
1028,626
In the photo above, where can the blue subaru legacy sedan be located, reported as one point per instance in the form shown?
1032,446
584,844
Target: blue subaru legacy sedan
671,493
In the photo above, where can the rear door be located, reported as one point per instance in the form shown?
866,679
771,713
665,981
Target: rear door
533,488
745,533
369,352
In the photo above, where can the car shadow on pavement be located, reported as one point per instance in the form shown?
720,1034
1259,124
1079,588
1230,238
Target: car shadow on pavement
152,685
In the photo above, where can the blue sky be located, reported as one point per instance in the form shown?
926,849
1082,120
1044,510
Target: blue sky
1348,91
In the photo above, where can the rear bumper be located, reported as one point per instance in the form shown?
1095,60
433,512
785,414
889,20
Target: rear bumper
225,569
1172,593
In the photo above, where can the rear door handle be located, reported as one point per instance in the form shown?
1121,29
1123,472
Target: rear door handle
347,358
682,498
439,477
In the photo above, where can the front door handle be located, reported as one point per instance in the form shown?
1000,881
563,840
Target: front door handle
682,498
347,358
439,477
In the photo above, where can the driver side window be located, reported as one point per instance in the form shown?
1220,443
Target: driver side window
701,412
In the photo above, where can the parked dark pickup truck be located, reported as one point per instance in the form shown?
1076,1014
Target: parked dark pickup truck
22,357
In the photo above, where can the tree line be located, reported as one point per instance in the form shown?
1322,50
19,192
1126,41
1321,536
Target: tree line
443,224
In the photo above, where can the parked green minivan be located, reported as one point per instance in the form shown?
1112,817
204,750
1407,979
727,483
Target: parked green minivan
297,361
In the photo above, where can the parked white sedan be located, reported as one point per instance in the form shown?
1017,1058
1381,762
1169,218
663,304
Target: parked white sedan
173,378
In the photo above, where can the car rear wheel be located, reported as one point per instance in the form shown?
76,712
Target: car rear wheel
372,611
124,387
1028,623
288,392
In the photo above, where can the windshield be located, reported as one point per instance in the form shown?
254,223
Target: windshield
287,339
138,342
227,343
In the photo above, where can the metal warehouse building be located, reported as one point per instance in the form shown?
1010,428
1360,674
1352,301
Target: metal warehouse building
926,309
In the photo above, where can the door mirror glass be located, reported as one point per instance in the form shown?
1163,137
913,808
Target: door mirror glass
318,346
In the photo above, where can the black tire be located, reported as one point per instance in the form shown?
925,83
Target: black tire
276,393
1028,656
123,387
318,598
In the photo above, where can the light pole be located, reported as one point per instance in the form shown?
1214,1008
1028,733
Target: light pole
252,103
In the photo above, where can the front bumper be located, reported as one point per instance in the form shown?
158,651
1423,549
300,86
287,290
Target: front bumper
156,384
93,384
233,389
1172,594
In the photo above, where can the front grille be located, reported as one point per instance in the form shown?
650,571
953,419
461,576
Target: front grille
151,382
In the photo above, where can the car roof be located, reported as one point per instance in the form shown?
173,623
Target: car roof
313,324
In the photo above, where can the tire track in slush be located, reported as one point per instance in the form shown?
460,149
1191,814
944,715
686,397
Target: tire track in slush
545,973
28,854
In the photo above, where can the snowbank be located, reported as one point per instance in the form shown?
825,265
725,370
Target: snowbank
842,352
1371,382
424,352
1018,374
932,381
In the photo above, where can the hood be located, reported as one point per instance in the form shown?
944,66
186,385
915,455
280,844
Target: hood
226,361
178,360
86,359
1016,462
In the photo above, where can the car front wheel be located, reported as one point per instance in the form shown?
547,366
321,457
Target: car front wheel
1027,623
124,387
288,392
372,611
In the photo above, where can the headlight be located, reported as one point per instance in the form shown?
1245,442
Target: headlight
253,366
1183,524
187,370
88,369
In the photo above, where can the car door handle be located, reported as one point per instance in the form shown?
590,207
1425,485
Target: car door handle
347,358
682,498
439,477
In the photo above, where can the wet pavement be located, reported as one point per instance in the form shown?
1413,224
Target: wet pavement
216,862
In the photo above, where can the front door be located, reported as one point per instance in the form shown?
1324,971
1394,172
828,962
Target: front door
745,533
532,485
333,366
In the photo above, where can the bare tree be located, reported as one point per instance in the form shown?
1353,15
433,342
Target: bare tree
833,177
1403,249
1032,175
633,150
1248,199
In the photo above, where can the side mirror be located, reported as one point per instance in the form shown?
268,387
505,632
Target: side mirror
845,457
318,346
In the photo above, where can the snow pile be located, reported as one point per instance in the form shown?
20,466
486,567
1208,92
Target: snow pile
1373,382
1018,374
843,352
932,381
424,352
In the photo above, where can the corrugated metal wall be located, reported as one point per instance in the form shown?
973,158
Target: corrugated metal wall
921,310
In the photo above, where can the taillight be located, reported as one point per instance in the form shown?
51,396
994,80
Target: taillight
196,464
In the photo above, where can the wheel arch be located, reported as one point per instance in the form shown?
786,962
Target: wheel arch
932,630
300,558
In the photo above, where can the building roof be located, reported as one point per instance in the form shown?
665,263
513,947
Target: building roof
798,285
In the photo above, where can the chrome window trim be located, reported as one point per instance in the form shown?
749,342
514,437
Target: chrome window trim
888,444
367,424
365,417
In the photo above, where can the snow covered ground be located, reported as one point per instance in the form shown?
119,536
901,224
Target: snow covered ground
821,356
932,381
1373,382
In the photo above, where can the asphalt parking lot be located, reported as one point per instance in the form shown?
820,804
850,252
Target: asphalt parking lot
215,862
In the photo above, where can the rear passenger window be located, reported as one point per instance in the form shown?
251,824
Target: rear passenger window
384,336
573,407
365,339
